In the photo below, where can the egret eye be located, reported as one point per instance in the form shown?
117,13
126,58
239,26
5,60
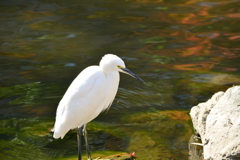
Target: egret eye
81,102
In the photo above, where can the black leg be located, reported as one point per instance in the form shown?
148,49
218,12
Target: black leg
79,135
86,142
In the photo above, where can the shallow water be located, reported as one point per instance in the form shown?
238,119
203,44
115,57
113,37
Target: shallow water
185,51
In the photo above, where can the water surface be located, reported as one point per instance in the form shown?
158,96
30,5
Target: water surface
185,50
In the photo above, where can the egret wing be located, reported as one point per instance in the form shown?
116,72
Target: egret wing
82,102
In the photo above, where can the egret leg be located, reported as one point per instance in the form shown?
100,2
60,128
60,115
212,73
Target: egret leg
79,135
86,141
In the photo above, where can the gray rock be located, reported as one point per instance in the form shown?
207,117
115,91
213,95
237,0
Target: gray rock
217,121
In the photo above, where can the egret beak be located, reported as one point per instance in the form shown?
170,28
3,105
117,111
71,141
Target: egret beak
127,71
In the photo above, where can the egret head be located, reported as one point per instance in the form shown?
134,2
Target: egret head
112,62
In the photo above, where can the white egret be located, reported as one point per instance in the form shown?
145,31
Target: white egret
91,92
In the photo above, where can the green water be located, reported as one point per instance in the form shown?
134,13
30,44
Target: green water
185,51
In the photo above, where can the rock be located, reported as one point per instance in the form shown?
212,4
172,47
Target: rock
217,121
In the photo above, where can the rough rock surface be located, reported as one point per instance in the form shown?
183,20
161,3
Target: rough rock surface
217,121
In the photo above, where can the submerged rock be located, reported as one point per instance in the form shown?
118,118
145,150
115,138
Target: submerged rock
217,121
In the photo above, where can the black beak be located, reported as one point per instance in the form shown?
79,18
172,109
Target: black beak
127,71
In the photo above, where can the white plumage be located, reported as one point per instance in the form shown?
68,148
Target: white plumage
91,92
